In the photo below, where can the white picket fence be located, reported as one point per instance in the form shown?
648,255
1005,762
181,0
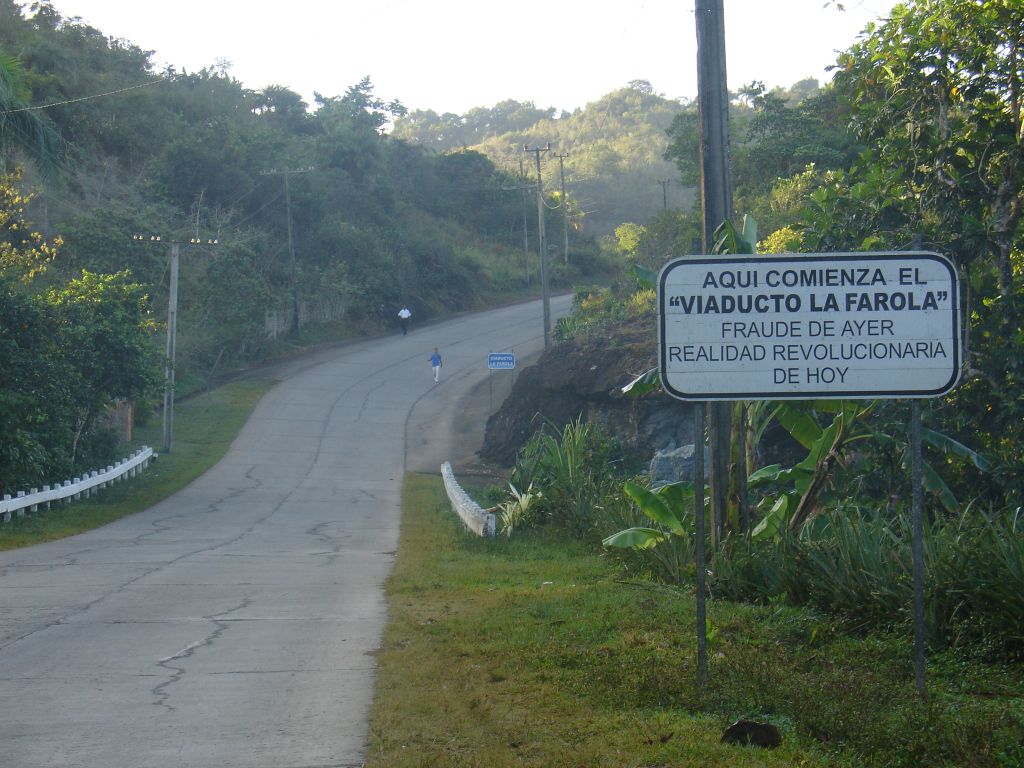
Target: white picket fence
72,490
477,519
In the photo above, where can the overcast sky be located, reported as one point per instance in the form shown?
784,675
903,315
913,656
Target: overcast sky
452,55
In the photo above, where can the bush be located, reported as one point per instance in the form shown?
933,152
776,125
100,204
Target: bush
573,470
858,566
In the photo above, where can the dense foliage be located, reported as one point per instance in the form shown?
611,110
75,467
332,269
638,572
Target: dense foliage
318,211
319,216
613,150
68,350
916,144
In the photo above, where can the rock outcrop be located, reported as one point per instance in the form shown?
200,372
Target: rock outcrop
584,378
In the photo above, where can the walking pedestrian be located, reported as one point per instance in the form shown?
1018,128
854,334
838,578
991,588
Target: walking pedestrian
403,318
435,363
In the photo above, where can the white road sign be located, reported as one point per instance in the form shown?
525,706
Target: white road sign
808,326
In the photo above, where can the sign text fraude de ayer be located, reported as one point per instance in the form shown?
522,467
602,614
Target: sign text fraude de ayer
811,326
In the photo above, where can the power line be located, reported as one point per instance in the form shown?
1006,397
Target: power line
86,98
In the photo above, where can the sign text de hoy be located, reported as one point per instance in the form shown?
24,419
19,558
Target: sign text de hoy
858,325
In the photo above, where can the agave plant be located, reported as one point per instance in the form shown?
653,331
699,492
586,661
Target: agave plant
517,511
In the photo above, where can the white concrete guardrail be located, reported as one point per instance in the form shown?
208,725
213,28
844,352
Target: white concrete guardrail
72,490
477,519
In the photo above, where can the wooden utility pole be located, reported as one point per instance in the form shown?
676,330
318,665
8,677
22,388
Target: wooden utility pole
542,245
713,108
172,329
565,207
526,234
291,246
716,202
664,193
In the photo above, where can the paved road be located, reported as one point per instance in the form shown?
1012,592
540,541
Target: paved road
234,624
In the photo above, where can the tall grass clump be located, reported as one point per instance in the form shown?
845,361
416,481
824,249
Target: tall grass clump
977,582
852,563
572,470
857,566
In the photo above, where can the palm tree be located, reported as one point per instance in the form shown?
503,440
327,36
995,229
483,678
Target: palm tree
21,128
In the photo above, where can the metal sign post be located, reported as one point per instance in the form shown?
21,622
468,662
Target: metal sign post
810,326
498,361
917,546
698,547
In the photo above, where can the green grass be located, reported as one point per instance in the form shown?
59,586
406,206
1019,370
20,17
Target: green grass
204,427
534,651
492,654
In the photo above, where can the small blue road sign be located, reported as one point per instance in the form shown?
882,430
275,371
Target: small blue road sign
502,361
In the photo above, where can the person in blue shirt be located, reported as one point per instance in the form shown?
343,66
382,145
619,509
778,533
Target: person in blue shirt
435,363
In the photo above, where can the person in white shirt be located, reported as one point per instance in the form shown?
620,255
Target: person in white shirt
403,318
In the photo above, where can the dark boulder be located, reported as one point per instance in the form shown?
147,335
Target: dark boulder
752,733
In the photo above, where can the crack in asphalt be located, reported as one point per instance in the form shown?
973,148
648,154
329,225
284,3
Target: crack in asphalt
177,673
84,608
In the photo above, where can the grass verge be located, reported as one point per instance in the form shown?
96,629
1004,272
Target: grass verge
204,427
532,651
485,660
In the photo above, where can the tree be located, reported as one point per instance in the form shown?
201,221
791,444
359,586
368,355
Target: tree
782,139
670,233
67,352
935,94
105,332
30,393
23,253
359,108
684,146
936,91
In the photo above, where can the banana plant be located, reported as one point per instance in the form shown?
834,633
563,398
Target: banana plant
792,508
665,506
933,482
729,240
668,548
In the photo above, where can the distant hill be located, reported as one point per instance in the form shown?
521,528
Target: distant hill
615,145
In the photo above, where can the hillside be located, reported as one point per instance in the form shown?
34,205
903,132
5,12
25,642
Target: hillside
318,213
293,223
614,150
